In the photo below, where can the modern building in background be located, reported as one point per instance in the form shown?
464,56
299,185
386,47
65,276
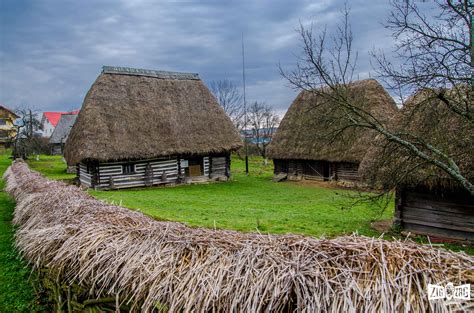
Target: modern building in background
258,136
7,127
61,132
49,121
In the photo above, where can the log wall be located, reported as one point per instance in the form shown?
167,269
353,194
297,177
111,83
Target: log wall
219,166
164,170
347,171
280,166
56,149
317,170
446,214
85,178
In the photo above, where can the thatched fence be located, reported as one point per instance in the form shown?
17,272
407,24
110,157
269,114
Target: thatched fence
95,255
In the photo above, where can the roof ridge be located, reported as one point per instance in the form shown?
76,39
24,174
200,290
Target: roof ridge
150,73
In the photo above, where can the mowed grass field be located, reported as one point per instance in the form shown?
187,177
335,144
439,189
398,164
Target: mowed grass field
246,203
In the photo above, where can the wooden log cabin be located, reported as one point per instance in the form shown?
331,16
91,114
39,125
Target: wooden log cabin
302,147
428,200
145,127
440,211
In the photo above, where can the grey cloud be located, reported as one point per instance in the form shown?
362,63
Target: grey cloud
52,51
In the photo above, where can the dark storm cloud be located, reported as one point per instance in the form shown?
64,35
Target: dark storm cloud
52,51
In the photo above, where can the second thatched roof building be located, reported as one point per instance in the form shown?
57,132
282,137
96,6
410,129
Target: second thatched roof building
144,127
313,142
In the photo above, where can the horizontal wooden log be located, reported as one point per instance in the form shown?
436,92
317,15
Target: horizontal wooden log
438,232
449,222
313,177
464,217
139,161
442,204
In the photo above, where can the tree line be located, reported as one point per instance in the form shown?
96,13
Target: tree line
256,122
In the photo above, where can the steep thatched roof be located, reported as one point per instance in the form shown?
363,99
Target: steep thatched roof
303,132
62,129
388,164
133,114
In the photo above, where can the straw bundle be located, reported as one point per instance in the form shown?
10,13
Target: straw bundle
112,254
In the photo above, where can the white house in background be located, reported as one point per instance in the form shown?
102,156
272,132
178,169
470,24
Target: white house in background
49,120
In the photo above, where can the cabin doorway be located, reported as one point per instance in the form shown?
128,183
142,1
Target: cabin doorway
195,167
317,170
326,171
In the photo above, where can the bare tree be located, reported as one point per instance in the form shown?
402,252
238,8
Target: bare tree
435,54
26,140
262,121
230,99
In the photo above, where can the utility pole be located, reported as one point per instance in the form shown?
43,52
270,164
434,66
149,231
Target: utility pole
30,129
245,111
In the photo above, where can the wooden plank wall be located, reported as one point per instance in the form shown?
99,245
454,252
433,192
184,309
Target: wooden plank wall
442,214
56,149
84,177
347,171
114,171
219,165
206,166
280,166
295,168
111,176
313,170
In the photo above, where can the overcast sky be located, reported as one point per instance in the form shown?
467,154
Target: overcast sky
52,51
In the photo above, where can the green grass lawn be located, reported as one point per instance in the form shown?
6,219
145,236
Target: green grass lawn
249,203
16,282
254,202
51,166
246,203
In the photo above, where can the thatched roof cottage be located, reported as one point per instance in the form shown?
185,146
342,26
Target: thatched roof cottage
144,127
61,132
428,201
303,147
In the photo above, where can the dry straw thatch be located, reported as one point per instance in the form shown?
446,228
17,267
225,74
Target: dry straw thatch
151,265
428,118
304,131
131,116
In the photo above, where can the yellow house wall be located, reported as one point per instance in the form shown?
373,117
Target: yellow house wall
6,116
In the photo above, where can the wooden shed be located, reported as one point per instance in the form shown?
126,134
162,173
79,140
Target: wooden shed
145,127
302,147
428,201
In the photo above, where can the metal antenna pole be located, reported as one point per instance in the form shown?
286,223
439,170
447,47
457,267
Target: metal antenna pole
245,111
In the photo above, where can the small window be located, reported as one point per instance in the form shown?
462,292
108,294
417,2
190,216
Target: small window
128,168
3,122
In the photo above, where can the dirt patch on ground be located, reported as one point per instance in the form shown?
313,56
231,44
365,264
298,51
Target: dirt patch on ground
328,184
382,226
